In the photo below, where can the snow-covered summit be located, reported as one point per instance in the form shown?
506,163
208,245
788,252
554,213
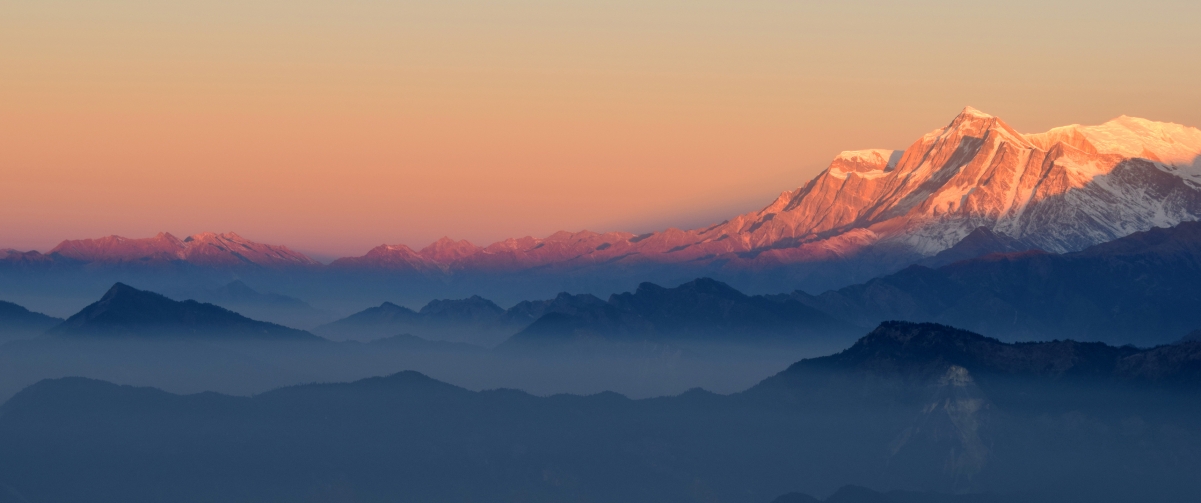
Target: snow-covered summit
207,248
1060,190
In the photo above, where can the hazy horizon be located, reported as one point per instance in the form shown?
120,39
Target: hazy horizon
334,128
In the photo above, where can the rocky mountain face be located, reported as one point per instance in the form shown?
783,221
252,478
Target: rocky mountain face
1058,191
978,243
871,212
1142,289
920,408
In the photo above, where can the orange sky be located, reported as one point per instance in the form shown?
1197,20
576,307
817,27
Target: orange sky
336,126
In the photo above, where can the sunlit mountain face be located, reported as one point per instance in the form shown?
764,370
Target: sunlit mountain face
600,252
1073,256
870,212
1061,190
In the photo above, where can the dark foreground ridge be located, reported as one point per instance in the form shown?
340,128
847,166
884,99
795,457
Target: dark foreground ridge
128,312
1140,289
927,350
914,407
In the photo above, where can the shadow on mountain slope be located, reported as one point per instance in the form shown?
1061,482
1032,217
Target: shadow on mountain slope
1141,289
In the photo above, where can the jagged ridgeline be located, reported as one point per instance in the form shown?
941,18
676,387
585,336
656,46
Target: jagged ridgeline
871,212
920,407
1082,232
649,342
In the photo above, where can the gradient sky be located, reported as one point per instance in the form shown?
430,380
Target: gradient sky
336,126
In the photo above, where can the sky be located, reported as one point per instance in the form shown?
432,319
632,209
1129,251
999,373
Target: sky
333,127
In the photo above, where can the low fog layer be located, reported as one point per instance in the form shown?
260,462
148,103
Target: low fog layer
242,368
913,407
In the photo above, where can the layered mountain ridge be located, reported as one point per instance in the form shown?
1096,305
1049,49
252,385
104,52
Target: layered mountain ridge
914,407
1141,289
1059,191
126,312
700,310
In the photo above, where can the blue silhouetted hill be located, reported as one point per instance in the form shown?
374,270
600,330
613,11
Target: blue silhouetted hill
921,407
474,320
125,311
1142,289
18,322
700,310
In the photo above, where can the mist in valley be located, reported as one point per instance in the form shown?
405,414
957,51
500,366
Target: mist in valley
245,368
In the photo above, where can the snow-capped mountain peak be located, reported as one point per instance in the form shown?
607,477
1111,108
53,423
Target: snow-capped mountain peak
1060,190
208,248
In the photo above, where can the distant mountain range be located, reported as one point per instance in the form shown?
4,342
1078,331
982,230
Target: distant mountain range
139,337
870,212
1140,289
915,407
474,320
128,312
1081,242
205,249
703,310
238,292
273,307
16,322
1144,288
1059,191
700,310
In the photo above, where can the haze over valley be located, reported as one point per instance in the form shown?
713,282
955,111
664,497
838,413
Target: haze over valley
1081,233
